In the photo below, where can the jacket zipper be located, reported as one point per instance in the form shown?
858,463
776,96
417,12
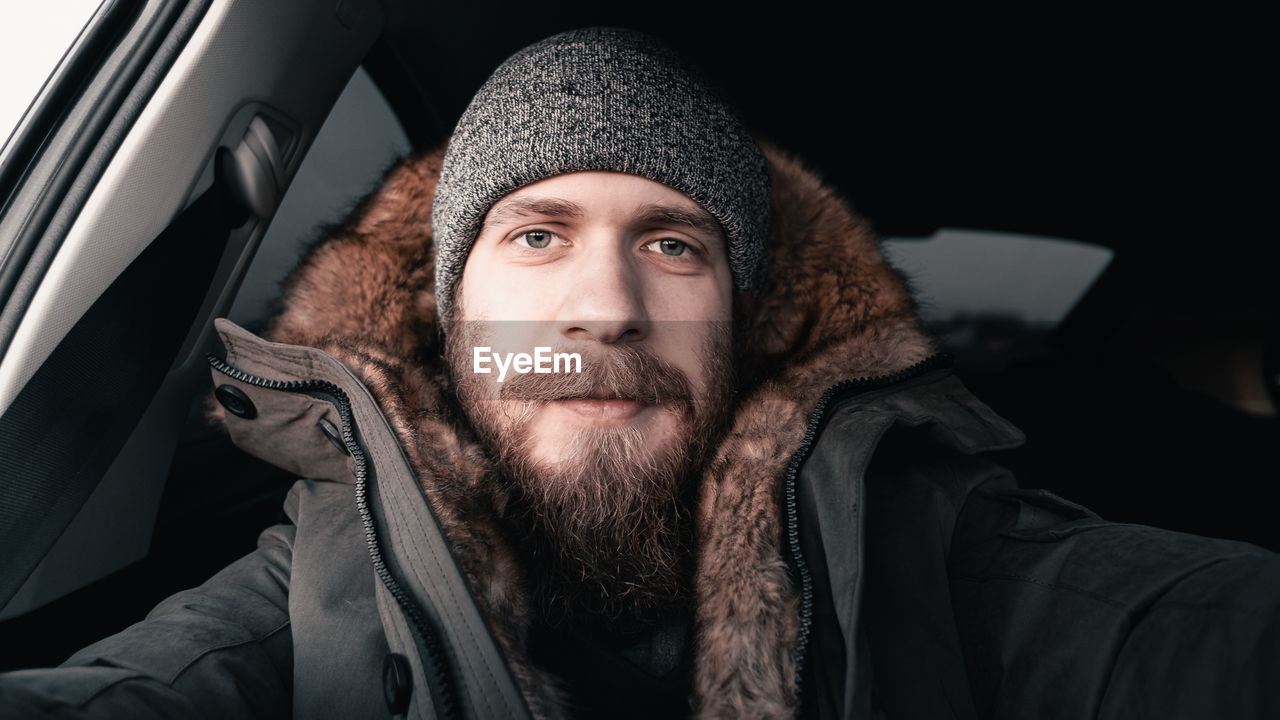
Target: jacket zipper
444,698
443,695
840,391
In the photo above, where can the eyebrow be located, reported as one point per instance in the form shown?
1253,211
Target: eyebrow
513,208
649,215
698,219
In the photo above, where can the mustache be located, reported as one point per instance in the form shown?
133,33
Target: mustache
626,372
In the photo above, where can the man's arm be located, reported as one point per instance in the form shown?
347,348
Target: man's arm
1069,615
220,650
1208,647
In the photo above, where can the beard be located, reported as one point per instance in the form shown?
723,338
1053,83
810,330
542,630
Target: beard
605,531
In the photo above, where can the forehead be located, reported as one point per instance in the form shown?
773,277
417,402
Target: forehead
602,195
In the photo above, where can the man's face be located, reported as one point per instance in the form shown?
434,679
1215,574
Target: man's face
593,262
633,277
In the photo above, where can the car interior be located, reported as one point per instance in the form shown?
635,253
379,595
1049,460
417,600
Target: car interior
1075,199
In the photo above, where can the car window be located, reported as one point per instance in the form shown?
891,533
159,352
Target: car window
127,228
991,298
34,38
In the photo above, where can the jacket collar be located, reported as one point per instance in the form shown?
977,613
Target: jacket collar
830,307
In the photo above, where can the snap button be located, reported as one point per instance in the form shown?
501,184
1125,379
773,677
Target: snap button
235,401
397,683
335,436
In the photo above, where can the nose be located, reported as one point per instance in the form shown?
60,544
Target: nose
606,303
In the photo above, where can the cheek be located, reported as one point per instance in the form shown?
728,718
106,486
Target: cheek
473,297
684,346
708,362
491,289
482,289
705,299
501,314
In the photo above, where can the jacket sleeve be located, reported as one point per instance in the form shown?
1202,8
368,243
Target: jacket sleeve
1209,646
1069,615
221,650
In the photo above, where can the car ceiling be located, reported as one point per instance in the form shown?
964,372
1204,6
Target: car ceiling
1138,132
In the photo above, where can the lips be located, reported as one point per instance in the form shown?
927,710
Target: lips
601,410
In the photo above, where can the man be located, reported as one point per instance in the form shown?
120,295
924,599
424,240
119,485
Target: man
646,427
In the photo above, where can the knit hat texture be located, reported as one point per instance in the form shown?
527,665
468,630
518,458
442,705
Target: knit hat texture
600,99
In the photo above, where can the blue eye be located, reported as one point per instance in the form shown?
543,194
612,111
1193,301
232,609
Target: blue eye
536,239
672,247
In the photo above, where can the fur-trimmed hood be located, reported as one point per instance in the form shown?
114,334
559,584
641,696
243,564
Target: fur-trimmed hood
830,308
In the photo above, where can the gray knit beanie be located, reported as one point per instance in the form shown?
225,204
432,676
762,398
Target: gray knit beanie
600,99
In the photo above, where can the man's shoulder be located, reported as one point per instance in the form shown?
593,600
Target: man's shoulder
916,448
927,437
937,402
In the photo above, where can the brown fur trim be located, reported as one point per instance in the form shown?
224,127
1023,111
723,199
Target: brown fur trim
829,308
370,281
